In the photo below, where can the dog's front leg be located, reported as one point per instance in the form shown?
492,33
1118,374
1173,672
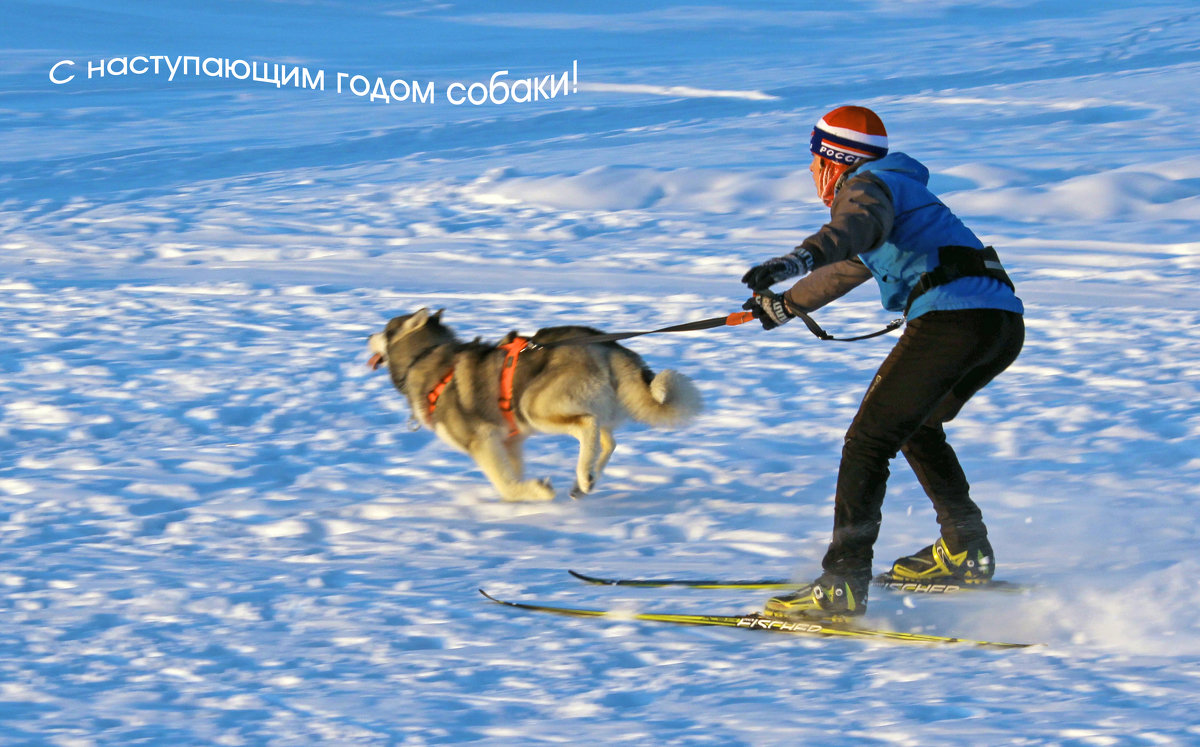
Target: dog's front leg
502,464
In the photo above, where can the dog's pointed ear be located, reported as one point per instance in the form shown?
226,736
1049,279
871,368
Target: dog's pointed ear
437,316
416,321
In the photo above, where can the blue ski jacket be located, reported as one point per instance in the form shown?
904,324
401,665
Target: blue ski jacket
885,223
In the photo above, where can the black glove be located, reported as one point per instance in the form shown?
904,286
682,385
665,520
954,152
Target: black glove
769,309
763,276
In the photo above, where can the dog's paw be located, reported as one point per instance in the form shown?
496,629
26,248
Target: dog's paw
531,491
583,487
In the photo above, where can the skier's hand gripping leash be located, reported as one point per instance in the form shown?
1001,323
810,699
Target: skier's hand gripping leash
769,308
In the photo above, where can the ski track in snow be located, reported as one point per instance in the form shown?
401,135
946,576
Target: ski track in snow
216,528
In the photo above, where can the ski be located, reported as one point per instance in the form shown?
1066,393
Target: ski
883,581
754,621
887,581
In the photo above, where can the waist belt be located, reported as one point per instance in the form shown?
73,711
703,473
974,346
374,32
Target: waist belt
956,262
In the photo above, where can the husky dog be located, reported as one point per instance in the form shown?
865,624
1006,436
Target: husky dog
463,392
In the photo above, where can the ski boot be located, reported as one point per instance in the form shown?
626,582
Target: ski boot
830,596
975,564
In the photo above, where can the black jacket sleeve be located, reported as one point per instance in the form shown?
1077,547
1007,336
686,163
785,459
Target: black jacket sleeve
860,220
826,284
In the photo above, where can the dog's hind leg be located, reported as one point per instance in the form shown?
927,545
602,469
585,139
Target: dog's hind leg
501,463
607,444
594,450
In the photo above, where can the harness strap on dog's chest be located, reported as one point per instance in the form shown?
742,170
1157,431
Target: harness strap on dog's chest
436,392
507,374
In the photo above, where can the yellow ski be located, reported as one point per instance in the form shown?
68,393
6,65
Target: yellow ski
834,628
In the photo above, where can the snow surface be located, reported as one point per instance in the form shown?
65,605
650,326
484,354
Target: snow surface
216,528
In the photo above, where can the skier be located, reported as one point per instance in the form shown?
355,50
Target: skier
964,326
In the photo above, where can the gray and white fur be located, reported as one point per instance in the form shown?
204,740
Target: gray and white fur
582,390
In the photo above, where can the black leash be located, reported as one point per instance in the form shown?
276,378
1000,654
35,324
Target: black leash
821,333
816,329
732,320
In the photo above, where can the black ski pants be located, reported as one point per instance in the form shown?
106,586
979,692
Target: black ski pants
941,360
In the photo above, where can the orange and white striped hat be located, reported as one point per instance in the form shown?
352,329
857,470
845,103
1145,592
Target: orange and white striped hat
850,134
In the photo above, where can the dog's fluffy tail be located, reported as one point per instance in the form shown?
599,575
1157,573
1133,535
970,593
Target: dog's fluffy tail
668,399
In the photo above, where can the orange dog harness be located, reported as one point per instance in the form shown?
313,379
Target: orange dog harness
508,373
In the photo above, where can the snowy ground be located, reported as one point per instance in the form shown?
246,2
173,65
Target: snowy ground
215,527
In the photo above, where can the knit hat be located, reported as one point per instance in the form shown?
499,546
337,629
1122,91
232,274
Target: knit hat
848,135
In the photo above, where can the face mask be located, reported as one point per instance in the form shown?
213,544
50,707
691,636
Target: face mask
827,177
